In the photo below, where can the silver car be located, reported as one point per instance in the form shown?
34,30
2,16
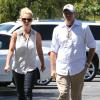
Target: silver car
46,29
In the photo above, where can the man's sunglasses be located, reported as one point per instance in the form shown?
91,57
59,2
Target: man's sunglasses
26,19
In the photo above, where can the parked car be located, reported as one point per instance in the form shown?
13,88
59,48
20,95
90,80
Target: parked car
95,66
46,29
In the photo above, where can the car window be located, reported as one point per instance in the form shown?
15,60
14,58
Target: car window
5,27
4,41
95,31
44,30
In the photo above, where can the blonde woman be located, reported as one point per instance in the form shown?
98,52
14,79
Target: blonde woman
23,45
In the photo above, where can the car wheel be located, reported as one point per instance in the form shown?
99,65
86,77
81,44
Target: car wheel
45,77
44,82
90,72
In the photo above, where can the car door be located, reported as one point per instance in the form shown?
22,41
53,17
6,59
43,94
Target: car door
4,45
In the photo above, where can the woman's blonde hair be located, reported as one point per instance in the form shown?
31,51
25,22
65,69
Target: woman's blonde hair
25,11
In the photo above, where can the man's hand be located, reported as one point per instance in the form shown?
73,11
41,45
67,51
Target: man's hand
53,74
87,65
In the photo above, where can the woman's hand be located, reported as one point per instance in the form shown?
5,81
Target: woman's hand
7,68
42,68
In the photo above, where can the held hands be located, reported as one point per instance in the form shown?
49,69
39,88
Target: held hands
7,68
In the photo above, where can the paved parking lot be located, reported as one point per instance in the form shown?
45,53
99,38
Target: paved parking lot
91,91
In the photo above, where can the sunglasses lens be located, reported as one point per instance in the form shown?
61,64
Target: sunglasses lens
26,19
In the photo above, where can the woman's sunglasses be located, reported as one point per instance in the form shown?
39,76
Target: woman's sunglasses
27,19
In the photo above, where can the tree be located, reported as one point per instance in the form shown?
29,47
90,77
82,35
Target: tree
87,8
9,9
50,9
47,9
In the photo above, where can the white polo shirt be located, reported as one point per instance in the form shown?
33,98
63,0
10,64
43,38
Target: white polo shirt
70,46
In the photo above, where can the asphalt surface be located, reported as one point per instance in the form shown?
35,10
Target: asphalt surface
91,91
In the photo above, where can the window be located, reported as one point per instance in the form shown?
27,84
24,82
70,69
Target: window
45,30
95,31
4,41
4,27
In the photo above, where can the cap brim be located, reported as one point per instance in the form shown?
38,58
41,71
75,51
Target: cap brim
68,10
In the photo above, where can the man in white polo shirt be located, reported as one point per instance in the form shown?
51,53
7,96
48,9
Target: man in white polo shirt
68,54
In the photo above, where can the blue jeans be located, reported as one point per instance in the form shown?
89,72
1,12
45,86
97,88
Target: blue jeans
24,84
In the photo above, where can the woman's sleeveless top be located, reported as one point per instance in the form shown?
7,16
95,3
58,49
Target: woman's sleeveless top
24,59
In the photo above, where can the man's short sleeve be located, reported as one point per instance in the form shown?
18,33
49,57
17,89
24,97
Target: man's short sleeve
91,43
55,41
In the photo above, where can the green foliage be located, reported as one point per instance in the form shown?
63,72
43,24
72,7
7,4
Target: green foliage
80,13
44,9
88,8
9,9
48,9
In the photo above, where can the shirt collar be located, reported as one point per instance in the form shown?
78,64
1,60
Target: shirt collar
22,31
76,23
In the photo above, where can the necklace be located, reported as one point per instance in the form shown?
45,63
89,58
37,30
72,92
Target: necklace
69,33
